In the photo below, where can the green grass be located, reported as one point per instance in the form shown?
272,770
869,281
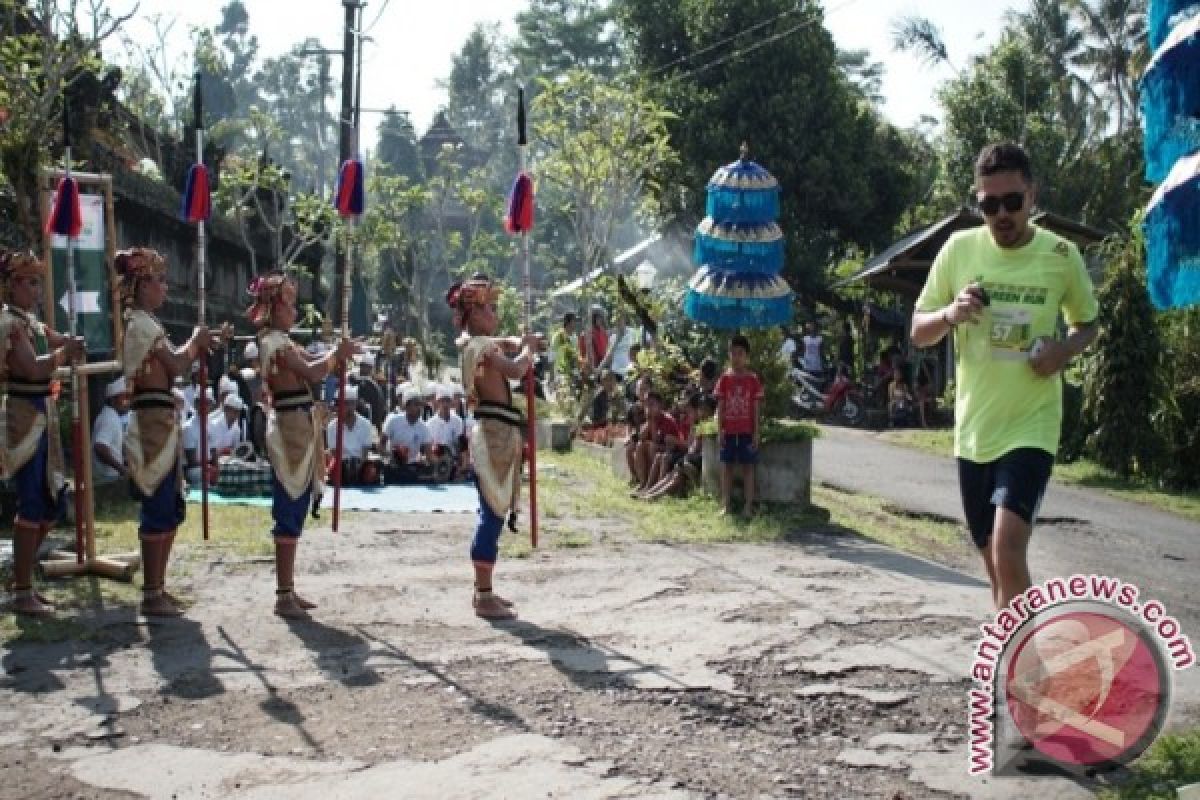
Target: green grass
875,519
584,488
1171,762
239,531
1079,473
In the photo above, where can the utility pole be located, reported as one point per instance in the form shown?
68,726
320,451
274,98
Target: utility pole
347,136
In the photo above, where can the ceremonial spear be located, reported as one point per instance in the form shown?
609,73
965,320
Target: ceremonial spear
66,219
519,220
349,199
197,208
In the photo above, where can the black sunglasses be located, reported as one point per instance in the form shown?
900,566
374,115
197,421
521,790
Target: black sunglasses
990,204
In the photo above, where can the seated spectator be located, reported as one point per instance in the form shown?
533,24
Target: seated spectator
446,430
686,475
191,438
608,407
670,456
358,440
225,430
900,402
635,419
659,434
108,434
408,440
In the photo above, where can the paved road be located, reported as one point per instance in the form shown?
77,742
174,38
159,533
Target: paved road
1081,530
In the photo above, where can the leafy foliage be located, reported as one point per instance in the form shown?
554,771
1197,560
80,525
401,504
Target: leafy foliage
47,47
846,174
1123,386
598,145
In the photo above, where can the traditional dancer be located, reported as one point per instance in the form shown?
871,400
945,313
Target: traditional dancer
294,436
30,451
153,439
497,440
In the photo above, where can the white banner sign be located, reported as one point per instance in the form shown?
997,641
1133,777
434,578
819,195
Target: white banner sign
92,235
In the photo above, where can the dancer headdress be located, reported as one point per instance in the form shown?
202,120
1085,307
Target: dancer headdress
465,295
269,290
135,264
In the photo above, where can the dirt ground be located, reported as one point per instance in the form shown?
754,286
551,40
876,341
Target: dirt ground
825,666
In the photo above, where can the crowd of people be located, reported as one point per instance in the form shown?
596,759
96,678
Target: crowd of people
420,436
661,424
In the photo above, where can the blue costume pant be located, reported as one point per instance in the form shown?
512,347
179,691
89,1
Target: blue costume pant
35,504
288,514
485,545
163,511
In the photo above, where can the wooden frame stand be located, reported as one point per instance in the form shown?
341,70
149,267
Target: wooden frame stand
61,563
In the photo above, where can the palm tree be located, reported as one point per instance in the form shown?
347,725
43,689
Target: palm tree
1052,34
1115,50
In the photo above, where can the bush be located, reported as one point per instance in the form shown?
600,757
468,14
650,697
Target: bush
1123,386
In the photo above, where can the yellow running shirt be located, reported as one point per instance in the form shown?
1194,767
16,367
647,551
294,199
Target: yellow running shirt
1000,402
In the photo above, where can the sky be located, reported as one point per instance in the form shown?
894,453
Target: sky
414,41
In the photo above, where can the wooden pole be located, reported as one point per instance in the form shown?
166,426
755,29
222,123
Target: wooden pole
530,380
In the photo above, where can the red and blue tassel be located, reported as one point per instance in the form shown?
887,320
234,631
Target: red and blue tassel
519,218
66,218
350,199
197,200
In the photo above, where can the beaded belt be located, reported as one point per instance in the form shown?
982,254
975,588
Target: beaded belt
152,398
500,413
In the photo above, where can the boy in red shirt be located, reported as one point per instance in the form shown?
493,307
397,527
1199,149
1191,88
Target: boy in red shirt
660,433
739,393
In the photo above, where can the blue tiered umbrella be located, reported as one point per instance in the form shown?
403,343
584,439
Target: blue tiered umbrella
739,252
1171,106
1171,98
1173,237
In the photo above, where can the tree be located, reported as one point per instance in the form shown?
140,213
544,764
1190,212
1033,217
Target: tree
555,37
843,171
598,146
1115,51
261,196
474,90
1123,385
866,75
44,51
397,152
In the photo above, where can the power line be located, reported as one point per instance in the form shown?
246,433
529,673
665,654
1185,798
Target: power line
378,17
757,45
727,39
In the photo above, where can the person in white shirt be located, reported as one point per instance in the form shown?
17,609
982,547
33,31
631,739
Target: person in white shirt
407,437
814,360
445,427
191,438
108,434
358,439
787,351
618,352
225,432
447,430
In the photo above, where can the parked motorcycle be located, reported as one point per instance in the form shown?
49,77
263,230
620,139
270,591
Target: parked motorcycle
840,400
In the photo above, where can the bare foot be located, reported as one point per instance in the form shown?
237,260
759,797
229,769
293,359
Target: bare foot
29,604
305,604
488,606
287,606
172,599
157,605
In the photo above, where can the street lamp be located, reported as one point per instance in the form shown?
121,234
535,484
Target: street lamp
644,274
